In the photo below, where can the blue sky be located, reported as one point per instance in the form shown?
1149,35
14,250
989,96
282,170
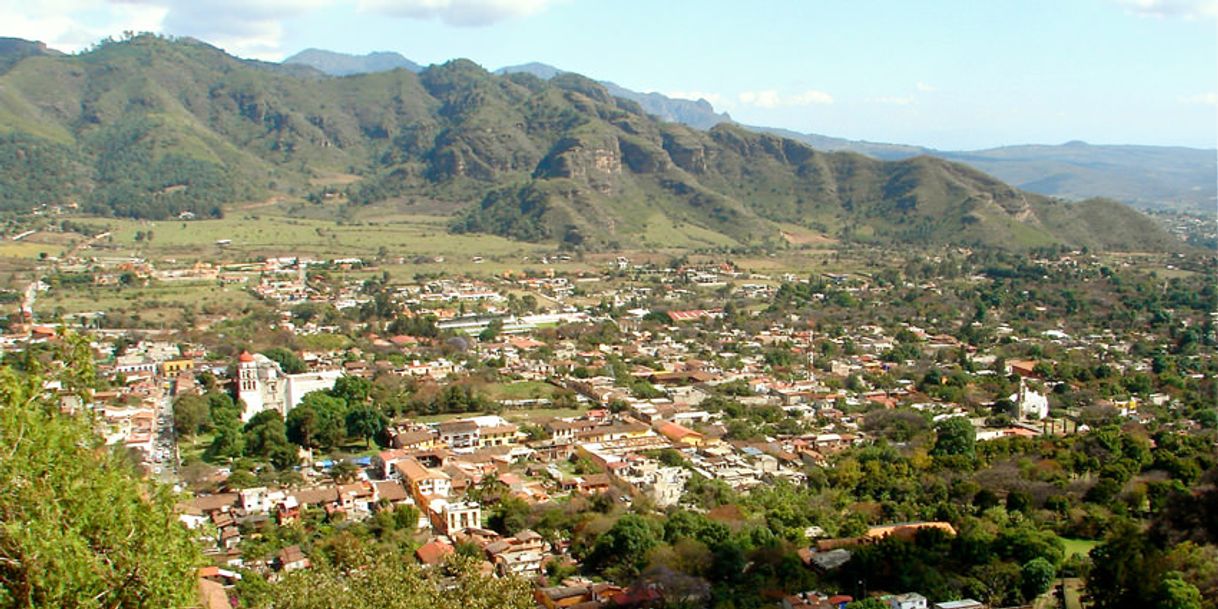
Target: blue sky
951,74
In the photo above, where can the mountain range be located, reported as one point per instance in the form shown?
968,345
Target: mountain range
150,127
1156,177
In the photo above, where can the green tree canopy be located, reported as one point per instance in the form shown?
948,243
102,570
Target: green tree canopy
955,436
266,438
79,527
318,421
398,584
365,421
622,551
288,361
190,414
352,389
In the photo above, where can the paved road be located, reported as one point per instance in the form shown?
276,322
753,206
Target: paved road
165,456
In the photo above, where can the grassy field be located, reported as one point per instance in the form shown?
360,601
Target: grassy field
269,231
663,232
523,390
1078,546
193,449
158,303
408,240
29,249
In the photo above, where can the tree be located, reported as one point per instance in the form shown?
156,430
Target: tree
288,361
622,551
868,603
219,402
352,389
344,471
229,442
1036,577
80,529
317,422
266,438
395,583
1125,569
491,332
955,436
190,414
509,515
1175,593
366,421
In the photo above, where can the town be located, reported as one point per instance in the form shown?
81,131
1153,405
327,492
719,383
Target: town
521,418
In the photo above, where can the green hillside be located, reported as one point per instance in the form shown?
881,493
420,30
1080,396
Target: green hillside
150,128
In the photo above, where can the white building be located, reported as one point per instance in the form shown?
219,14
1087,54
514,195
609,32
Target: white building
262,385
911,600
1029,404
300,385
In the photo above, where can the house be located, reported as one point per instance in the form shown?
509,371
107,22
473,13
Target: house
174,366
448,518
459,435
390,492
291,559
191,516
287,511
230,537
814,600
593,484
905,531
577,594
560,597
356,499
909,600
680,434
523,554
824,562
423,482
418,439
1024,368
433,552
967,603
497,435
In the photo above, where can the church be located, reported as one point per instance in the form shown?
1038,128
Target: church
262,385
1030,404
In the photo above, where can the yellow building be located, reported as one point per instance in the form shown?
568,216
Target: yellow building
174,366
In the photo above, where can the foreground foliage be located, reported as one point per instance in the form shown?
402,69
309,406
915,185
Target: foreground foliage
78,527
393,583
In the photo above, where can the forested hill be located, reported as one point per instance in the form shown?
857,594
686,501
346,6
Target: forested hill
150,127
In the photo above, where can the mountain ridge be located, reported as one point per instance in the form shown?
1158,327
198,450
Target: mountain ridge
343,64
151,127
1155,177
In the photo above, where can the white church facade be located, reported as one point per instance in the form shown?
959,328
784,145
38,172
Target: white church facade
262,385
1029,403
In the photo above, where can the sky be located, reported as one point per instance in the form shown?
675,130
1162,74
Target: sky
949,74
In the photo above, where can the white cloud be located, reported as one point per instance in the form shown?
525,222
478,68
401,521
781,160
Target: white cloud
457,12
925,88
59,23
248,28
891,101
715,99
769,98
1208,99
1187,9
